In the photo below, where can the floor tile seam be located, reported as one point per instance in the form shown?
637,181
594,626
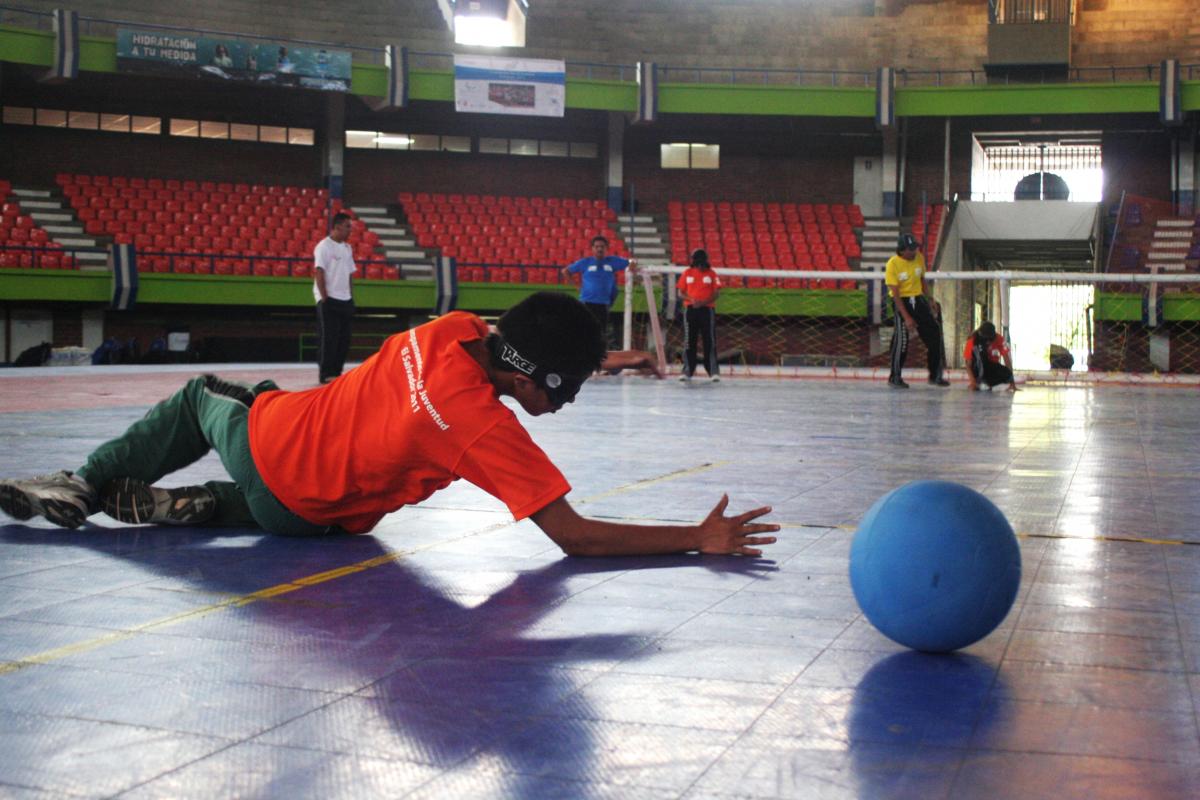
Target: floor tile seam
767,708
510,771
270,592
41,789
117,723
1167,713
1145,637
361,692
1120,637
1180,630
229,745
544,716
694,616
191,679
984,751
160,728
525,722
1087,665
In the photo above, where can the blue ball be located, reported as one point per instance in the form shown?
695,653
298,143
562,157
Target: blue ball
935,566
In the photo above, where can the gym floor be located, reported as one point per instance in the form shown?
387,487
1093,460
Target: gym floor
454,653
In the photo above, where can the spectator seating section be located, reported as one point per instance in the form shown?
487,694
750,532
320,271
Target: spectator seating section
508,239
788,236
935,215
23,243
202,227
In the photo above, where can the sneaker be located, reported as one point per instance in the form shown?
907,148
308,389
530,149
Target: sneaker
136,502
715,378
60,498
685,377
897,383
938,382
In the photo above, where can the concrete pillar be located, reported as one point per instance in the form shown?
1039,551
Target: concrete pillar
890,167
92,320
615,168
333,143
946,162
1186,173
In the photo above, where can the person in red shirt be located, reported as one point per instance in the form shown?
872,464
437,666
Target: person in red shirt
422,412
982,354
699,287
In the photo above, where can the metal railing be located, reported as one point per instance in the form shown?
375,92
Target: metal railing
1021,12
32,256
1007,10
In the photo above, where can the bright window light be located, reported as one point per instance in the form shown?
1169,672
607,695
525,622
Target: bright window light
481,31
392,140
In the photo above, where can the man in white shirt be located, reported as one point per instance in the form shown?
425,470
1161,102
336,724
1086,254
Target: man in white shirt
334,264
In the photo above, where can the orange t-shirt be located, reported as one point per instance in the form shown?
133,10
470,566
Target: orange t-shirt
995,350
698,286
415,416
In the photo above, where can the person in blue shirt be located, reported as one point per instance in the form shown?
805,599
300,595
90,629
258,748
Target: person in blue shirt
599,287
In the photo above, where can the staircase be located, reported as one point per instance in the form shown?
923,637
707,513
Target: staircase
396,243
643,235
1170,245
64,228
879,242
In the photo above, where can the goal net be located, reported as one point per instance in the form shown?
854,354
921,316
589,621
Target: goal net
1060,325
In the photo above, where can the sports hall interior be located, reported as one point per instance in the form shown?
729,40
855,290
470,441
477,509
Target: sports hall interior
455,653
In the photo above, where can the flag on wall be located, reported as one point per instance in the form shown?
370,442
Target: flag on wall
66,46
647,80
885,98
122,260
446,276
1170,99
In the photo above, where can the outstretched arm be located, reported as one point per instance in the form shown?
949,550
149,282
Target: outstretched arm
631,359
717,534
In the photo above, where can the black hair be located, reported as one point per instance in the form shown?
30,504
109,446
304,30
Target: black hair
986,333
700,259
338,219
554,331
599,239
906,242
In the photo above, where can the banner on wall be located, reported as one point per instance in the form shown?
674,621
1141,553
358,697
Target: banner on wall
493,85
268,63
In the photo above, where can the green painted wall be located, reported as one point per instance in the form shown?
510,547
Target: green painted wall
26,46
1116,307
223,290
1075,98
796,101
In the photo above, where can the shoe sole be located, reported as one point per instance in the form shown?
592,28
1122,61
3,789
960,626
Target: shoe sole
136,502
18,504
128,500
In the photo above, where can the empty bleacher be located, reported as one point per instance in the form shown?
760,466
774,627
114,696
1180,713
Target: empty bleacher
190,226
927,227
23,243
785,236
509,239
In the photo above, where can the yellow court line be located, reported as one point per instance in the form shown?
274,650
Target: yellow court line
270,592
8,667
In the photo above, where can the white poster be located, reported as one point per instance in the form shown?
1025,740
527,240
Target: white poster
492,85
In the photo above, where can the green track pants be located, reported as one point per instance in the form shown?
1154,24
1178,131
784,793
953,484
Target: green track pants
208,413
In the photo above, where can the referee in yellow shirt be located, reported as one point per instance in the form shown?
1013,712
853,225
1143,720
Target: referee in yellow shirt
915,312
